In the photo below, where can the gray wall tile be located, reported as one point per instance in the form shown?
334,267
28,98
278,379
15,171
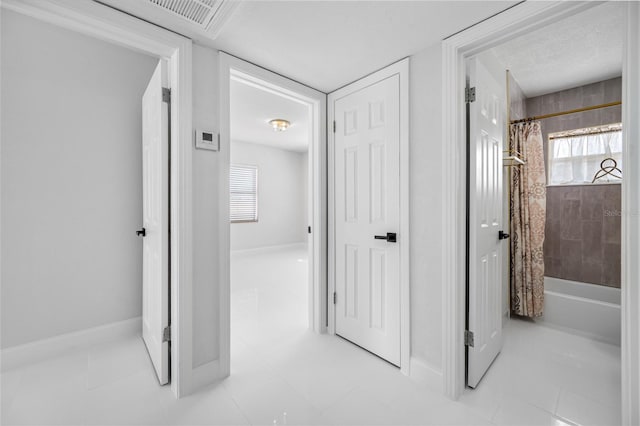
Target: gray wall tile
570,226
582,236
591,272
592,241
591,203
572,192
553,267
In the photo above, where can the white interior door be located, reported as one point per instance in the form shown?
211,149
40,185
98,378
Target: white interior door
486,120
155,207
367,208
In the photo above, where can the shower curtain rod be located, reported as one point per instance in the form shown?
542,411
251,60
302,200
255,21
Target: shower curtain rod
598,130
572,111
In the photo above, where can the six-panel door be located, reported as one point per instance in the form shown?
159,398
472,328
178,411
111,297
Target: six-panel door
155,213
486,118
367,204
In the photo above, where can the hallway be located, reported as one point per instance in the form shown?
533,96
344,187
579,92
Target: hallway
283,374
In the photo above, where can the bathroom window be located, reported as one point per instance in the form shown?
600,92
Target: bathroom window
576,156
243,193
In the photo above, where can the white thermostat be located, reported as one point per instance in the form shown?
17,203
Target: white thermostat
206,139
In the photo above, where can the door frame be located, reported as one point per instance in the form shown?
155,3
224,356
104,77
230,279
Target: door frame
235,68
401,68
104,23
513,22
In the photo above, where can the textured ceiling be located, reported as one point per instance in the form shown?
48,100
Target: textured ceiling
251,110
582,49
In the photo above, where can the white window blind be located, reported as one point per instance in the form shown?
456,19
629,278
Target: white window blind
575,156
243,188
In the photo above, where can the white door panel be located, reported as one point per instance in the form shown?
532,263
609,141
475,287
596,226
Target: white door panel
367,203
486,117
155,192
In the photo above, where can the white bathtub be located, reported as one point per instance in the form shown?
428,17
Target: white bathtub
587,309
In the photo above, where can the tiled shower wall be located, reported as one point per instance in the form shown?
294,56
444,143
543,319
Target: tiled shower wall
582,236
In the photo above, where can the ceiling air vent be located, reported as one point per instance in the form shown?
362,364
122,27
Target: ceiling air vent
209,15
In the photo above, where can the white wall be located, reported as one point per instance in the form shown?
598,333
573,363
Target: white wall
425,182
71,180
206,164
282,202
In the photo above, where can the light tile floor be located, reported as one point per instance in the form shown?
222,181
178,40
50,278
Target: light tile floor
283,374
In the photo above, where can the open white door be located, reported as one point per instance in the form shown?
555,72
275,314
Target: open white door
155,212
367,216
486,121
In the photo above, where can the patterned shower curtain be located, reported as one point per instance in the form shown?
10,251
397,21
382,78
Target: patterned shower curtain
528,210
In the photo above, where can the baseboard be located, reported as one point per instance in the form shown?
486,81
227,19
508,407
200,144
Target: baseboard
41,350
426,375
257,250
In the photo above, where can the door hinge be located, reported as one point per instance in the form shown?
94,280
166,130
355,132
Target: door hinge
470,94
334,297
308,229
468,338
166,95
166,334
334,126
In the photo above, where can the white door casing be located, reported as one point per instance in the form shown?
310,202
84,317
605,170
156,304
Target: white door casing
367,204
155,212
486,121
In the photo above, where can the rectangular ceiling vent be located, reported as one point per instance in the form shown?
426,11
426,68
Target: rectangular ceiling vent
208,15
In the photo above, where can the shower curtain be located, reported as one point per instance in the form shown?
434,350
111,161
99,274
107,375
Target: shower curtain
528,210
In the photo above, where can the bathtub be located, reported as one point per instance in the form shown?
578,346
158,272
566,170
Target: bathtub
587,309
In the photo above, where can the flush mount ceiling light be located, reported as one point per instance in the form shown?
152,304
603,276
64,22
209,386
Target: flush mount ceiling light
279,125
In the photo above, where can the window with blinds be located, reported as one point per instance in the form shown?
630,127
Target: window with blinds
243,197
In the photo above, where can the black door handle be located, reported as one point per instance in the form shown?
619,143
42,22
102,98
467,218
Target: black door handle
142,232
390,237
502,235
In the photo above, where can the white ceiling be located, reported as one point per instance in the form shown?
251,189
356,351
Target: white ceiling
251,110
582,49
323,44
326,44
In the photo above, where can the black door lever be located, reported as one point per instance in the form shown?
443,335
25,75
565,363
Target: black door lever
390,237
142,232
502,235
